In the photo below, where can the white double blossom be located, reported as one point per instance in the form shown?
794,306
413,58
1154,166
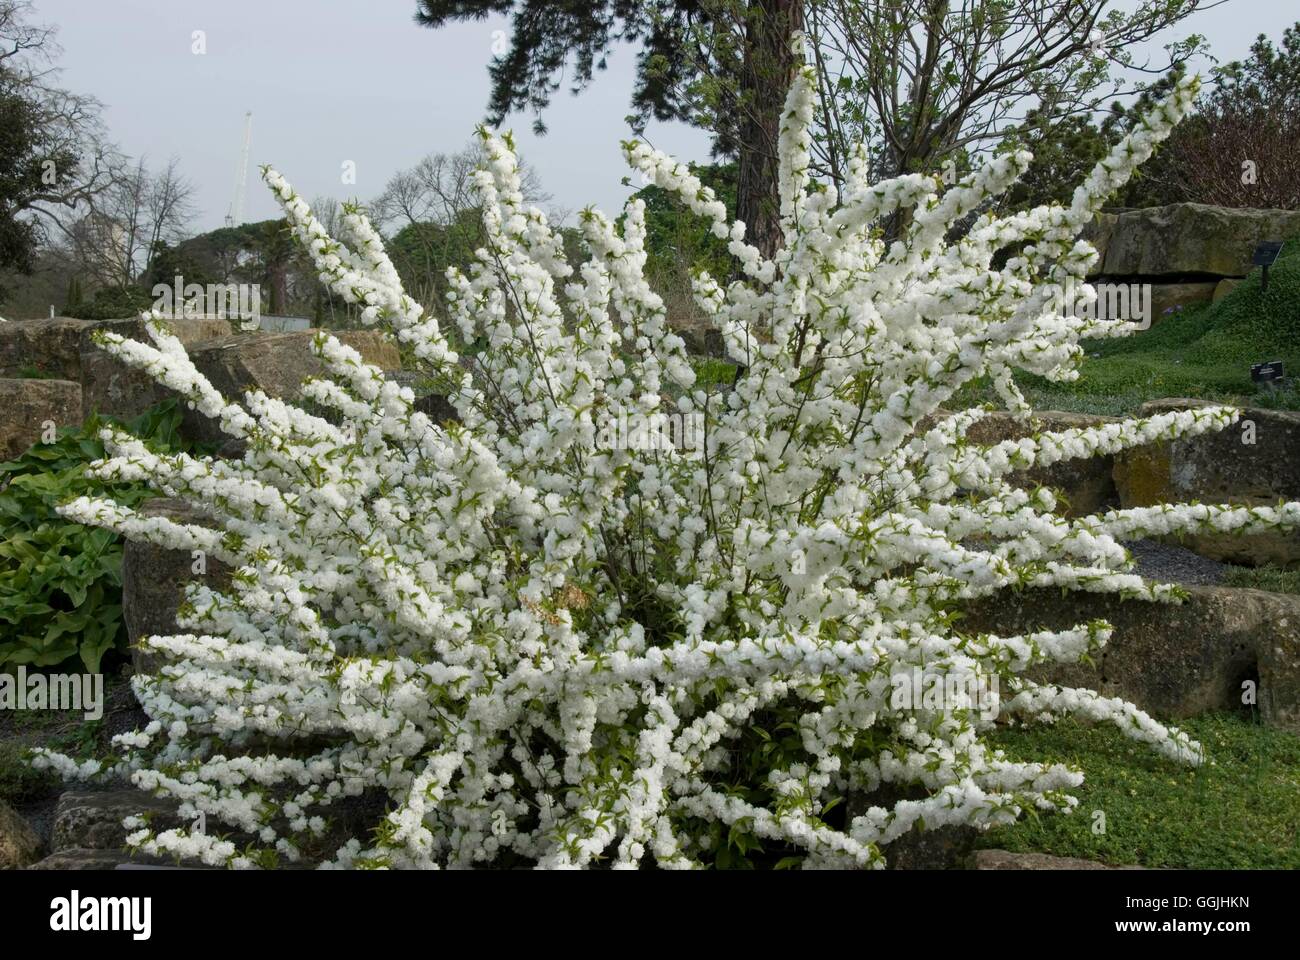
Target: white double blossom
536,649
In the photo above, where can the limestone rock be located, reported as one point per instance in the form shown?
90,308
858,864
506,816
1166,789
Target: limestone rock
19,844
110,387
1005,860
92,820
702,339
1099,232
27,406
78,859
275,363
1173,660
51,347
1255,462
1188,239
941,848
436,406
153,582
1168,298
1087,486
1224,287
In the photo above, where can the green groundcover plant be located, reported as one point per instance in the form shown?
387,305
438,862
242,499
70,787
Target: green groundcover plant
608,616
61,581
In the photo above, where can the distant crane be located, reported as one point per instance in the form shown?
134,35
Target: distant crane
236,214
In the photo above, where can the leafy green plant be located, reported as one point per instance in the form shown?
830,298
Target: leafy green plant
61,582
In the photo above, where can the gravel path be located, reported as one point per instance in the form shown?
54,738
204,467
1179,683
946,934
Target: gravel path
1170,563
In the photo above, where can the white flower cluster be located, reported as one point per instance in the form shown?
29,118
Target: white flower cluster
535,648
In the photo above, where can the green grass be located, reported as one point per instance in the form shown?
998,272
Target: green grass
1240,810
1204,352
1270,578
711,372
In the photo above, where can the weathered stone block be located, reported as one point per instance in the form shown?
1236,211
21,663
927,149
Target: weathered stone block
1188,239
1099,232
19,844
83,860
1004,860
1087,486
1173,660
1224,287
1168,298
1256,462
50,347
154,579
92,819
436,406
27,407
110,387
79,859
275,363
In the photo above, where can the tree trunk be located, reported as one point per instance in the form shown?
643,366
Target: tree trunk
768,70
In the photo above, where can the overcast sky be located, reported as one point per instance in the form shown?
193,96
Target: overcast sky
330,81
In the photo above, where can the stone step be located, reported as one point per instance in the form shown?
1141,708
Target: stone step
1255,462
154,579
57,347
1086,486
52,347
92,859
1172,660
88,831
92,819
1005,860
111,388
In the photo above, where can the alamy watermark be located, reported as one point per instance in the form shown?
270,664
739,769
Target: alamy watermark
1129,302
77,914
918,689
53,691
226,301
683,432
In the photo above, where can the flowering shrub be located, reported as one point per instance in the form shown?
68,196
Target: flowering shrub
543,649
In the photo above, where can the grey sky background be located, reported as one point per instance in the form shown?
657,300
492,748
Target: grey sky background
336,80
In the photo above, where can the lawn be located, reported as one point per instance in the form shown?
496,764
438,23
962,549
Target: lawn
1204,351
1240,810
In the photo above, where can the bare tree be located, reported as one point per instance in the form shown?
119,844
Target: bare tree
118,237
433,213
78,163
927,80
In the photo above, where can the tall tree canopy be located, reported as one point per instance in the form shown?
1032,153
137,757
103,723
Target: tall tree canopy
919,81
720,64
51,155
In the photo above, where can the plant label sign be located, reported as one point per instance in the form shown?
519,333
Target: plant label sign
1269,372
